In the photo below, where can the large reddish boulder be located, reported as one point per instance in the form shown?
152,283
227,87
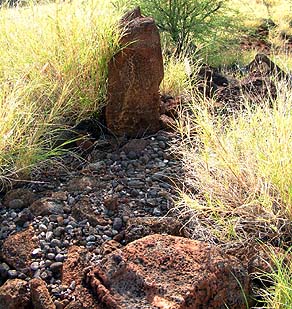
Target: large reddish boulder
169,272
134,76
14,294
17,248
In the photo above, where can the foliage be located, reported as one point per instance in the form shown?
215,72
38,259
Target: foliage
189,22
279,294
242,169
53,70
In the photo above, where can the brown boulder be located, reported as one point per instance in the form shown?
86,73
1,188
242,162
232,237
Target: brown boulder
47,206
17,248
40,295
134,76
161,271
73,270
18,198
14,294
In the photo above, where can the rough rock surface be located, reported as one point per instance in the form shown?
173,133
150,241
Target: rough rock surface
46,206
17,248
18,198
134,77
14,294
40,296
144,226
73,271
83,210
160,271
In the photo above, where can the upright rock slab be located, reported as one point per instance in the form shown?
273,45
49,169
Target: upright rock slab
135,74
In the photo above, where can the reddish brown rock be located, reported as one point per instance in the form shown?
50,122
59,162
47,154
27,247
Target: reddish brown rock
17,248
109,246
169,272
135,145
167,123
84,210
18,198
73,270
40,295
144,226
47,206
134,77
14,294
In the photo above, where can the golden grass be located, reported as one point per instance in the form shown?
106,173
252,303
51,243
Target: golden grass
53,68
242,170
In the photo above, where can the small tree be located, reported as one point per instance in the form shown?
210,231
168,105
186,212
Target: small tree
186,20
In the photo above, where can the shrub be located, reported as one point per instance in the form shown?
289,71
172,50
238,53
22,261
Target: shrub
189,22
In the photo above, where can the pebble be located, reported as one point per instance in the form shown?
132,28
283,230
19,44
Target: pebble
117,224
36,253
56,267
12,274
43,228
59,257
34,266
51,256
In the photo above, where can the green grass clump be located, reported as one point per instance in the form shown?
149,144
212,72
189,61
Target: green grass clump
279,294
53,70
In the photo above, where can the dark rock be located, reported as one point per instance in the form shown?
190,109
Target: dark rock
18,198
134,77
162,271
84,210
46,206
56,267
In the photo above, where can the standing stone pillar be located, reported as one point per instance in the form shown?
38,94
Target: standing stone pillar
134,76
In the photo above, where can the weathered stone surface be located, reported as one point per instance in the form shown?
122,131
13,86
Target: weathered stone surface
144,226
14,294
40,295
135,145
18,198
134,77
17,248
169,272
109,246
81,184
73,270
46,206
84,210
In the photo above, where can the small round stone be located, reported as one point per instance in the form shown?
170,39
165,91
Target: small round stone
56,267
12,274
51,256
34,266
59,257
